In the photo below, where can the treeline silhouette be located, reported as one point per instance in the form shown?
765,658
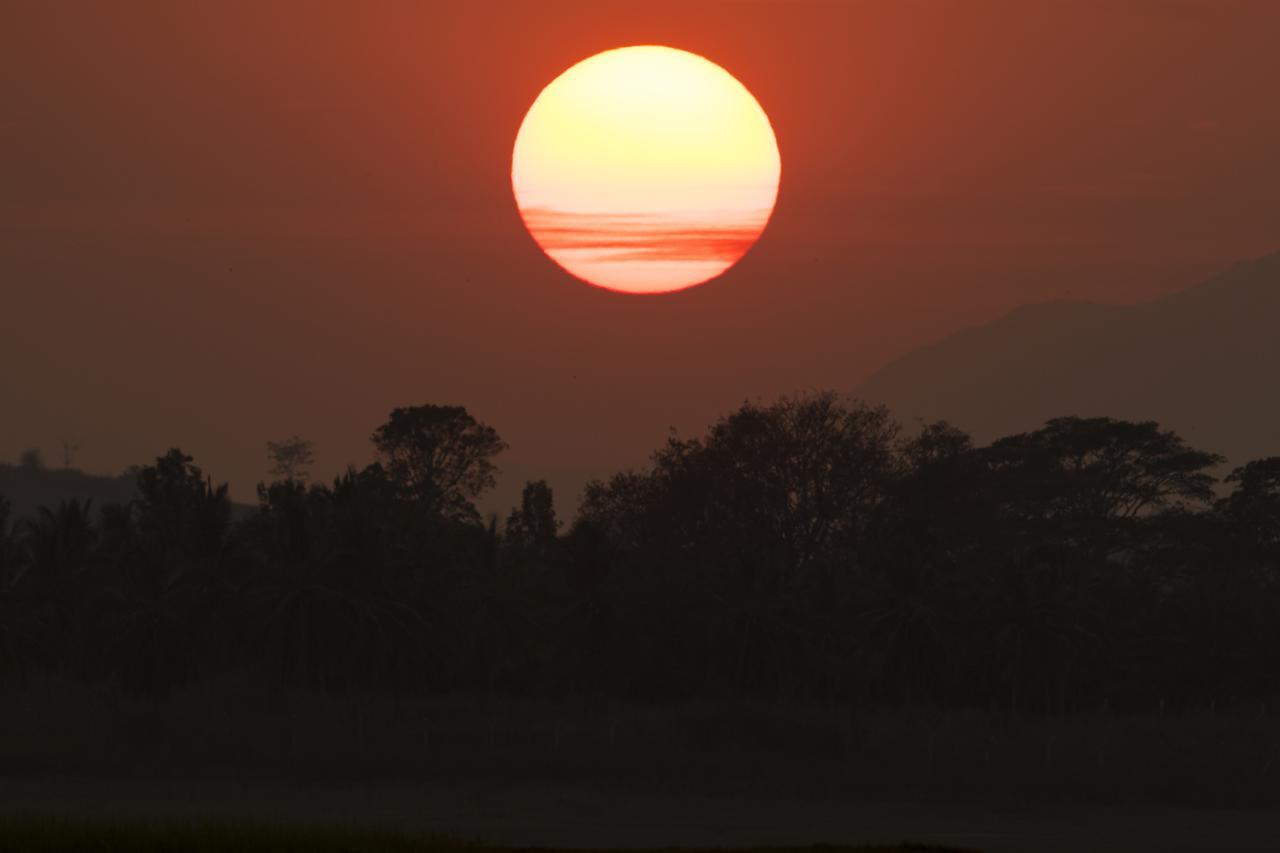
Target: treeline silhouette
805,551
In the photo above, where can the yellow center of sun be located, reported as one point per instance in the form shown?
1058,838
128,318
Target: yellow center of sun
645,169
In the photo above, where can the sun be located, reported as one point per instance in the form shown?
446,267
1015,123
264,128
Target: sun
645,169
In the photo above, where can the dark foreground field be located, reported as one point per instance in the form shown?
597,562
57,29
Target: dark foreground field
592,818
44,835
524,774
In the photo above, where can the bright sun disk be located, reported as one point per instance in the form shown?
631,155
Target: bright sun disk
645,169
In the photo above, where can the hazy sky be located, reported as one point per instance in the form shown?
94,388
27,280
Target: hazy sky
222,223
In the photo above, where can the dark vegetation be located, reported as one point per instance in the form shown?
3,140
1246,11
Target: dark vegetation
1075,608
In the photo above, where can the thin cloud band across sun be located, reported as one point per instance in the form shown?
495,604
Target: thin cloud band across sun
645,170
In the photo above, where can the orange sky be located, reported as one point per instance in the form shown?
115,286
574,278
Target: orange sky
233,222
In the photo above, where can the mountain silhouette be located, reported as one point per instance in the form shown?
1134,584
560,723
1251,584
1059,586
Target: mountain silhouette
27,488
1204,362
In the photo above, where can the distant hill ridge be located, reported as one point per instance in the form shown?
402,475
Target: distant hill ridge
1204,361
29,487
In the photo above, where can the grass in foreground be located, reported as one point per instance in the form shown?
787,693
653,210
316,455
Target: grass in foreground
49,835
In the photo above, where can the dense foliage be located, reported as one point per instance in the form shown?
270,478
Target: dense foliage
803,551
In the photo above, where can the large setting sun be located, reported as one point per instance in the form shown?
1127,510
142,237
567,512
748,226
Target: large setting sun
645,169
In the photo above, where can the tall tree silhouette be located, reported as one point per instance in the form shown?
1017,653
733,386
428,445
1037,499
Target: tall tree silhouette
179,509
1090,482
532,527
440,457
9,552
1253,507
291,458
182,526
20,616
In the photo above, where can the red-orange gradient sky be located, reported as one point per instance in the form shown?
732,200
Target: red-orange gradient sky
228,222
